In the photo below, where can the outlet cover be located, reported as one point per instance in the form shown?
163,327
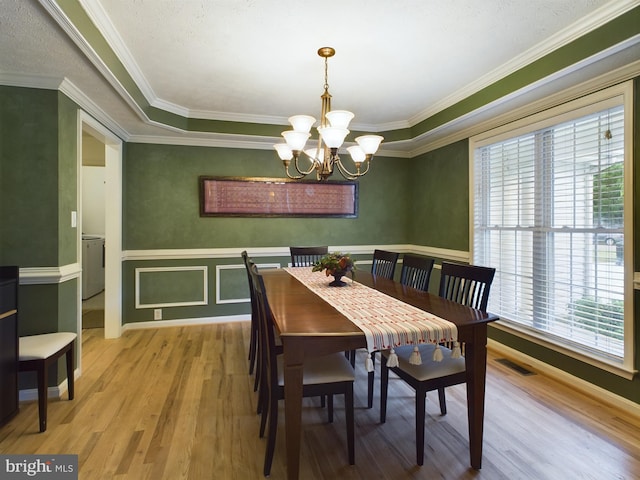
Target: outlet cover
157,314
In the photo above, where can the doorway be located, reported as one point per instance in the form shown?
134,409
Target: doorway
104,154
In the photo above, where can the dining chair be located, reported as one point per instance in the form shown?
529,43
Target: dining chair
326,375
255,358
465,284
306,256
415,273
384,263
253,341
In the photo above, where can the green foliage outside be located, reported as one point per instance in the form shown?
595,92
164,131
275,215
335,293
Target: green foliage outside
603,317
608,196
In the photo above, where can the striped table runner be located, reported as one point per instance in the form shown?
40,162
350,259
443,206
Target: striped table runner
386,321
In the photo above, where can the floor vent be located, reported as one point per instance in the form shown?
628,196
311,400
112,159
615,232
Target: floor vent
514,366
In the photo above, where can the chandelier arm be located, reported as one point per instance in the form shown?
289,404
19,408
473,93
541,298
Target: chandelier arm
304,173
292,177
347,174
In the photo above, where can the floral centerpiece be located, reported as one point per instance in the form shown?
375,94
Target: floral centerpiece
336,264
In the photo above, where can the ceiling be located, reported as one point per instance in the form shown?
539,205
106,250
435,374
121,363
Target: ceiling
396,63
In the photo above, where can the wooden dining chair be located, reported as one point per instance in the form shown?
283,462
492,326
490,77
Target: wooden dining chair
306,256
253,340
384,263
326,375
415,273
255,357
465,284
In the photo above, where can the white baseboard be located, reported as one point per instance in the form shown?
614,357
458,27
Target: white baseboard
185,322
561,376
31,394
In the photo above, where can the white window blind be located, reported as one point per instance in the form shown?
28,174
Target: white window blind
548,212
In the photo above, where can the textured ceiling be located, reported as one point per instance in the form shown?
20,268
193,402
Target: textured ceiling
396,63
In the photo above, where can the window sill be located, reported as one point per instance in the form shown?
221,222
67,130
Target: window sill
587,356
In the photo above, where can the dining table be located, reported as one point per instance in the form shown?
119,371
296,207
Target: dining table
309,326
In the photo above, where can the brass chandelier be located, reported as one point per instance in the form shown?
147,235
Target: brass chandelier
332,132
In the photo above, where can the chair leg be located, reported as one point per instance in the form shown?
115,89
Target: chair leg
384,387
443,401
371,377
263,407
271,435
348,403
351,355
41,372
70,367
420,408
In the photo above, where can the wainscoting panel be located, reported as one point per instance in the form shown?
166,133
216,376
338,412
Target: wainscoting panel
233,278
157,287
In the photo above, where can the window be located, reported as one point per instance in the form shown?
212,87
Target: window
549,211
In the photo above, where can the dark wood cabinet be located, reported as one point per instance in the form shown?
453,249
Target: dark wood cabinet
8,343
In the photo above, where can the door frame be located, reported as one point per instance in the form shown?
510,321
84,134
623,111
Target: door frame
113,222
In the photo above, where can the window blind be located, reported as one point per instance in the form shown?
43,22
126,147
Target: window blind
548,215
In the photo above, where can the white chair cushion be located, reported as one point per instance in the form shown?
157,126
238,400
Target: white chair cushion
326,369
429,369
39,347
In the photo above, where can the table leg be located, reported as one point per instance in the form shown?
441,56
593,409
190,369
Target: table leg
476,365
293,358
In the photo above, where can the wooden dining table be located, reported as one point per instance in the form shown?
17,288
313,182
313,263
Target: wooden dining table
310,327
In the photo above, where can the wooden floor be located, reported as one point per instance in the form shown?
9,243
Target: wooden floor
178,403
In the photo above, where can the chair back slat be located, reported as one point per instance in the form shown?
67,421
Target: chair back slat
384,263
416,271
307,256
466,284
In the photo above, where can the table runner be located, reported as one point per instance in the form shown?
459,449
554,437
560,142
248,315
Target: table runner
386,321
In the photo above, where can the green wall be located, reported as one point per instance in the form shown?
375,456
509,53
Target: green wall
161,202
29,180
161,211
38,165
439,203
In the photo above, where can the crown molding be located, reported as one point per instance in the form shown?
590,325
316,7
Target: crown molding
580,28
52,7
74,93
30,81
434,139
585,25
408,148
110,34
249,142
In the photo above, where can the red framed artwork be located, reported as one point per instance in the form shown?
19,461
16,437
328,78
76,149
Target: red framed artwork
276,197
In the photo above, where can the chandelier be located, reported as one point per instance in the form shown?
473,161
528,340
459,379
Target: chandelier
332,131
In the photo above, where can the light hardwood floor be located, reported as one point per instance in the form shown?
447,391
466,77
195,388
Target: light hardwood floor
178,403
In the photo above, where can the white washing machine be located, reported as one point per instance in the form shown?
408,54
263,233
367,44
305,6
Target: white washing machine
92,265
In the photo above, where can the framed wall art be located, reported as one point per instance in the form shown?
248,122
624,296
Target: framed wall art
276,197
